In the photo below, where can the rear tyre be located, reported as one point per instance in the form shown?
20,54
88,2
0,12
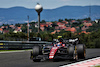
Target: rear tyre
81,51
71,51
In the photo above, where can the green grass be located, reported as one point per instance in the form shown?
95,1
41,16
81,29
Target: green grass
97,66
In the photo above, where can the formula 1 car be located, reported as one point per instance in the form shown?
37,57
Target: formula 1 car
60,49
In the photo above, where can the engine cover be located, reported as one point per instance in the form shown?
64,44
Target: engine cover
52,52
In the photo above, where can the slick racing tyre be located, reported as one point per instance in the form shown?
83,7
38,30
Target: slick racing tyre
71,51
81,51
37,50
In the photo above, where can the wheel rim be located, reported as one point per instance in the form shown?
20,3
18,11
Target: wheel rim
75,56
84,53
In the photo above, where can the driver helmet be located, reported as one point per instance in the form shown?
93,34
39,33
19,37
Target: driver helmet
60,39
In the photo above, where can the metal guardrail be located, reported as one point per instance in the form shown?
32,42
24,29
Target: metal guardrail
20,44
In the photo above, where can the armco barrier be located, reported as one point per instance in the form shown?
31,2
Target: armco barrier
20,44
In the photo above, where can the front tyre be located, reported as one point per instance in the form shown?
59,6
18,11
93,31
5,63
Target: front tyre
73,53
36,51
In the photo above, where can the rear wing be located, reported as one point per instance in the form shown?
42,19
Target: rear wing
73,41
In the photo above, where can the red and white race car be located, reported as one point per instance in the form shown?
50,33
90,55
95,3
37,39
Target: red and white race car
60,49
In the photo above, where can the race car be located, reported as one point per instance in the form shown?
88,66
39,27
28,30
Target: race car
60,49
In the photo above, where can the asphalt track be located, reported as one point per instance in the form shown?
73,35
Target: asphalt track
22,59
